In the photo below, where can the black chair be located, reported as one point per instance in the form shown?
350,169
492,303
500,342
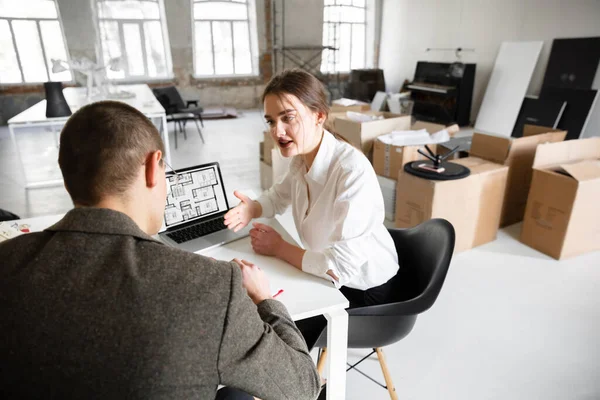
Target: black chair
7,216
178,111
424,253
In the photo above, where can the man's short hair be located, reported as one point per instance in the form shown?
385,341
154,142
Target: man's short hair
102,147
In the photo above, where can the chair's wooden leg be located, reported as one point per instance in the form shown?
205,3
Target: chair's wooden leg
321,360
386,374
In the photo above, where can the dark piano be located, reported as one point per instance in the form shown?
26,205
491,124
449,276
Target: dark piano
442,92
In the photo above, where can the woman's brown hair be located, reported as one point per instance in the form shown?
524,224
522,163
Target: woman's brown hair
306,87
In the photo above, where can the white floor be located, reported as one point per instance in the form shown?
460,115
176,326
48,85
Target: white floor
510,322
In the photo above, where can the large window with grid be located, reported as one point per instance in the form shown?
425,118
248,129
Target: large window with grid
135,33
30,37
224,38
344,29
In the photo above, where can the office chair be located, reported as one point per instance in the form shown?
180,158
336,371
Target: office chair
178,111
7,216
424,254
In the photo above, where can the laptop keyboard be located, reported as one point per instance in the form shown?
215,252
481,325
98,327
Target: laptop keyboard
198,230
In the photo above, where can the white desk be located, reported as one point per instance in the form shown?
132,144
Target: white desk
304,296
76,97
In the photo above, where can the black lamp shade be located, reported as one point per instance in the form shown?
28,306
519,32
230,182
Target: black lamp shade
56,105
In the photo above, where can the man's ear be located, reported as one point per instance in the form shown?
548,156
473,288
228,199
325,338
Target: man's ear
153,168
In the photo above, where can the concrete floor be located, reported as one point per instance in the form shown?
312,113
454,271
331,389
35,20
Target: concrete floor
510,322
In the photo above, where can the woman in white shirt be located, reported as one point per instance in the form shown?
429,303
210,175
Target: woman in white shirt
335,197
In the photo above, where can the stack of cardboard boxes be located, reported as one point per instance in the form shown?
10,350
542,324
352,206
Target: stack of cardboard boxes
493,195
273,166
388,160
363,134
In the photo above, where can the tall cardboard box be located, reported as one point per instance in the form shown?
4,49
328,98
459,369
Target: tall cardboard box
362,134
472,204
518,155
562,218
266,175
268,145
389,159
273,173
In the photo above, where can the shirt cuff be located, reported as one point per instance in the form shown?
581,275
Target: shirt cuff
267,206
316,263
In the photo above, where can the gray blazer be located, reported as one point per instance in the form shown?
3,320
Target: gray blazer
92,307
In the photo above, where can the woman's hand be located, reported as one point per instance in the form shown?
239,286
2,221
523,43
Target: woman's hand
238,217
265,240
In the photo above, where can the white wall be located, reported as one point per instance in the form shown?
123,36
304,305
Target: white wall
409,27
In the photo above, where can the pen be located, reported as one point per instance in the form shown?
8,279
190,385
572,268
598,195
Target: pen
278,293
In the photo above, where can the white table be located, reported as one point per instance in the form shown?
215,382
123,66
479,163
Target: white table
76,97
304,296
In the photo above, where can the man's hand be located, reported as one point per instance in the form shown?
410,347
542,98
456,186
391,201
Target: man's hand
241,215
265,240
255,281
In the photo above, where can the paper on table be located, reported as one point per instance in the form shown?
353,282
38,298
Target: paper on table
8,232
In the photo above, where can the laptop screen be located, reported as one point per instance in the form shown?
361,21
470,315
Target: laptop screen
193,194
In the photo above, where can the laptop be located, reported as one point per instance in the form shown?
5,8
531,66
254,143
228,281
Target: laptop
195,210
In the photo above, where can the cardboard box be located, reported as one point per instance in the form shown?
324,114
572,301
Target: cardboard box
463,144
343,105
389,159
330,121
268,145
388,190
363,134
562,218
271,174
266,175
518,155
473,204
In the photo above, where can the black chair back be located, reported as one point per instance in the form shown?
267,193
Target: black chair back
7,216
170,94
424,252
424,255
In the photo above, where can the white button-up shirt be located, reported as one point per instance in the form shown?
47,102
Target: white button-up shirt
341,222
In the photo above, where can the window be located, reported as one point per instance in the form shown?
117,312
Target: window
30,37
135,32
224,38
344,28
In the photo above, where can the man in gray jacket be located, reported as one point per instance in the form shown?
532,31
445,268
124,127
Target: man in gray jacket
93,307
